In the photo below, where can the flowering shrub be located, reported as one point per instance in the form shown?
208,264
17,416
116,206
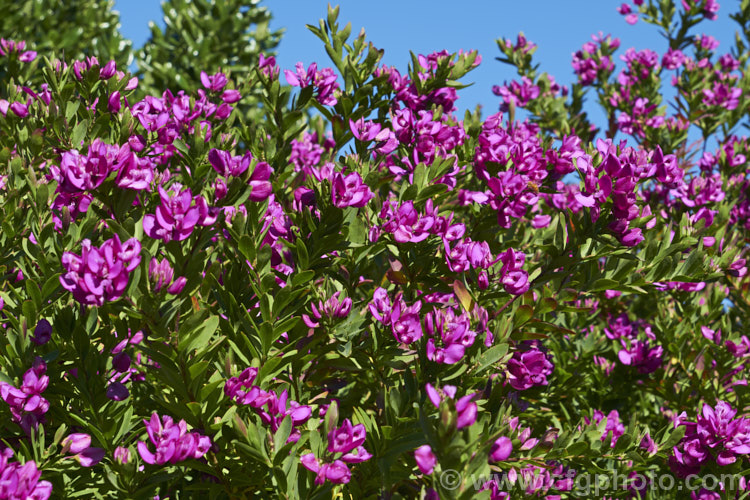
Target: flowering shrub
362,294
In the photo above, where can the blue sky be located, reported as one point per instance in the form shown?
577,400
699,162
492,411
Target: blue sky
559,28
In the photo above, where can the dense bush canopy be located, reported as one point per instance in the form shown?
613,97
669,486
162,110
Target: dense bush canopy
354,291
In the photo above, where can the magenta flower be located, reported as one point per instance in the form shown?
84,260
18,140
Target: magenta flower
79,445
301,77
349,191
332,308
86,173
404,320
466,409
272,408
336,472
646,359
177,215
716,436
100,274
214,83
719,95
122,455
42,332
20,110
259,182
323,80
161,273
268,66
452,331
27,406
426,459
501,449
226,164
9,47
108,70
21,481
346,439
613,426
528,367
134,172
172,441
514,279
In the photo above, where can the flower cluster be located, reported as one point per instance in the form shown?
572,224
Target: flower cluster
529,367
718,436
465,407
271,407
332,308
323,80
21,481
79,445
402,318
100,274
172,440
345,442
449,330
177,215
27,405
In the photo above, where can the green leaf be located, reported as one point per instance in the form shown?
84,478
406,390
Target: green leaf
491,356
201,336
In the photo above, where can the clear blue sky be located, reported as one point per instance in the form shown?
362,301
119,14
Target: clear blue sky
558,27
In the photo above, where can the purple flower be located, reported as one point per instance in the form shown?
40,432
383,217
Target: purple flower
160,273
116,391
20,109
79,445
27,406
528,367
177,215
122,455
716,435
719,95
272,408
613,425
178,285
8,47
337,472
268,66
261,186
100,274
323,80
514,279
332,308
172,440
454,332
108,71
466,409
42,332
349,191
21,481
226,164
214,83
648,445
135,173
501,449
645,359
300,77
426,459
231,96
86,173
346,437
